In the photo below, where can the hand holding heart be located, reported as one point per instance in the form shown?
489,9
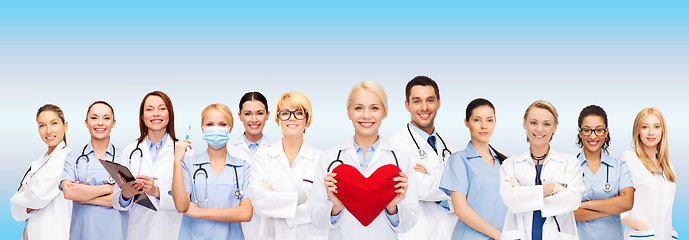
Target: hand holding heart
329,181
401,190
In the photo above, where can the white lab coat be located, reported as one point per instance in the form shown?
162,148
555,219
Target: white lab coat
347,227
53,214
435,222
522,200
145,223
653,200
239,149
281,217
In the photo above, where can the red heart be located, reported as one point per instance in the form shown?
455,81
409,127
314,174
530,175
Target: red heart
364,197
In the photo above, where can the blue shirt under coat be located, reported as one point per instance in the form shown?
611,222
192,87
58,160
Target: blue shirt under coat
93,221
364,160
619,177
467,173
221,194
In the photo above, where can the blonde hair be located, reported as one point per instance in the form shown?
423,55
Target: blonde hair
373,87
295,100
220,107
662,149
542,104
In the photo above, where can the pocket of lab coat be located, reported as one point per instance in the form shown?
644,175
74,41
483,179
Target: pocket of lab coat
645,234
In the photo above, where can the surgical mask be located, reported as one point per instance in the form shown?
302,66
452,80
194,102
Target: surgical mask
216,137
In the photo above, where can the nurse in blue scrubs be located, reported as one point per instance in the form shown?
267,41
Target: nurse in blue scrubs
211,188
609,187
86,182
472,178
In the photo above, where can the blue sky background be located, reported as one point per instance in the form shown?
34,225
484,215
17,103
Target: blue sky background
621,55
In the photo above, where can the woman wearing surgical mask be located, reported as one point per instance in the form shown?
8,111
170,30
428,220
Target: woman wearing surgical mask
150,159
654,179
609,188
211,188
367,152
472,178
282,174
86,182
37,201
541,187
253,113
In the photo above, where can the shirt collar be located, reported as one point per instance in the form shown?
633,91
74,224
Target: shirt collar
230,160
604,158
472,153
159,144
248,143
422,133
108,151
372,148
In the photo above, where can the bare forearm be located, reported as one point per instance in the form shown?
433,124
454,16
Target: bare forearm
241,213
105,200
179,192
582,214
82,192
634,223
613,205
467,215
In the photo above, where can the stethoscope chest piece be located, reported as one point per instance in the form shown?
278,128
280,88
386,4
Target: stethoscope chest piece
607,187
239,194
422,154
111,180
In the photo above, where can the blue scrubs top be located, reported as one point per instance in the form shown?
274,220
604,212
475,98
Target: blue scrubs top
221,194
466,172
92,221
619,177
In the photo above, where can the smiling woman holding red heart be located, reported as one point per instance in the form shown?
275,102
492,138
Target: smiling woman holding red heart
371,193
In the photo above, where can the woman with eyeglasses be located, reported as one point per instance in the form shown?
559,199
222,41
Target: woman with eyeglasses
282,174
86,182
367,107
37,201
211,188
654,179
541,187
253,113
609,188
150,159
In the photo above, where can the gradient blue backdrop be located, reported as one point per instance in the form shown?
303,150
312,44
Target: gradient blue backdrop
622,55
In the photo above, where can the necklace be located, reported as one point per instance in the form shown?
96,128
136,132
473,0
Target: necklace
539,158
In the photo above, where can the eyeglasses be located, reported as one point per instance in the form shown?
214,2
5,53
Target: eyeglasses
597,131
285,115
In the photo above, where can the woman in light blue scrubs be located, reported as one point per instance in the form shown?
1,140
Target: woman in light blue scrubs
211,188
472,178
86,182
609,187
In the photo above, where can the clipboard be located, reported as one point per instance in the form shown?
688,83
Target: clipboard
114,168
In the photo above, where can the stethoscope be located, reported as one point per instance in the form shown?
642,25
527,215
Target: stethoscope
607,187
422,153
239,193
34,173
341,162
83,154
141,156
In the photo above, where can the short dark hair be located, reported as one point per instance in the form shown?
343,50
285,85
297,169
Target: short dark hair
421,81
593,110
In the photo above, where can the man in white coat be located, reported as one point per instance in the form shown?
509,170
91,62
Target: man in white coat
429,151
